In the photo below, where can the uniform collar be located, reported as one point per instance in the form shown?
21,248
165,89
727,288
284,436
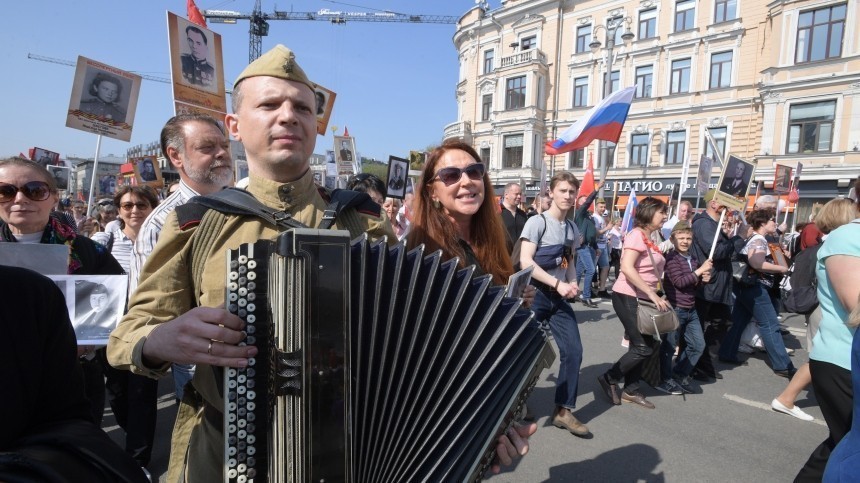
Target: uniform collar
283,195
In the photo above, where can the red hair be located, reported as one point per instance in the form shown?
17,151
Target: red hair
432,227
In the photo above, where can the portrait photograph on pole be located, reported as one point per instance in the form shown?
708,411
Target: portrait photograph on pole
147,171
344,149
196,64
782,179
324,105
396,182
103,100
61,175
44,157
735,182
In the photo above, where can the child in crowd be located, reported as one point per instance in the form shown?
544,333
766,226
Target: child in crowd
683,275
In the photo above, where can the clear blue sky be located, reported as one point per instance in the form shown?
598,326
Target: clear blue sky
395,82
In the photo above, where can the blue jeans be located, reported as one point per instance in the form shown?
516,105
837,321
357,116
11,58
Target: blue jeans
755,301
693,337
550,307
585,268
182,373
603,258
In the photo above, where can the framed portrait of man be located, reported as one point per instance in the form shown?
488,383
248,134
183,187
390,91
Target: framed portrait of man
44,157
197,66
344,150
61,175
147,171
782,179
324,104
103,100
735,182
398,169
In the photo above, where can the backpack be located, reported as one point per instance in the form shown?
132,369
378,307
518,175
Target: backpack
800,295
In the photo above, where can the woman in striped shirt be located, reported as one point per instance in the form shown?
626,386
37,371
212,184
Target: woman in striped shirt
135,204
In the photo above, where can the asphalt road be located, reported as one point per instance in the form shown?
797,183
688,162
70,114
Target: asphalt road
728,433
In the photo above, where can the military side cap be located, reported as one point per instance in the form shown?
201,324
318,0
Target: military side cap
279,62
682,225
710,195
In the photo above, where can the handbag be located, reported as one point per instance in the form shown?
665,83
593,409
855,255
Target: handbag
649,319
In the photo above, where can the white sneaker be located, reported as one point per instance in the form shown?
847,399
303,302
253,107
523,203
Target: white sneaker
795,411
745,349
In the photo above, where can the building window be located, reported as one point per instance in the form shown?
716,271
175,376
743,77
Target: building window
512,157
648,23
644,80
515,93
675,141
725,10
486,106
580,92
680,76
576,159
619,29
685,15
639,150
583,38
488,61
819,34
528,43
614,83
810,127
719,136
721,70
485,156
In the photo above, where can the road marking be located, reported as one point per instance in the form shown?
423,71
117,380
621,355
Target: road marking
764,406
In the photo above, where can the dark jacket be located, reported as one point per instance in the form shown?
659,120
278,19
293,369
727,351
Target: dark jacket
720,288
513,225
585,222
680,282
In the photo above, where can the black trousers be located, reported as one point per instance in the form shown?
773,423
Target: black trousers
133,399
835,397
629,366
94,385
715,319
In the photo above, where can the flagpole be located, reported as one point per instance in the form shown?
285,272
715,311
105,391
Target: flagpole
95,170
614,200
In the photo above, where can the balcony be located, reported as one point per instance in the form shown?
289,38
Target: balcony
458,130
522,58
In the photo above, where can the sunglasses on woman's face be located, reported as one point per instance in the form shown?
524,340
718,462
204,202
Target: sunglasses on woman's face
450,176
34,190
128,206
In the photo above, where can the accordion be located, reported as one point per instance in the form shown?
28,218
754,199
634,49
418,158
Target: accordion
374,363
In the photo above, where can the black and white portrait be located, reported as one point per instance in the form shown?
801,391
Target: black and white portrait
106,95
45,158
146,169
98,307
197,63
61,176
782,179
736,177
398,168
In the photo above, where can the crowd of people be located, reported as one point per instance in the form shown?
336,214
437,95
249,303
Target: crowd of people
715,278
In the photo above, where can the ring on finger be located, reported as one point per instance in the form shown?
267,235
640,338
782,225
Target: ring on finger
209,349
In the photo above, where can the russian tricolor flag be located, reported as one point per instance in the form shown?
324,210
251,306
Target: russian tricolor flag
603,121
629,212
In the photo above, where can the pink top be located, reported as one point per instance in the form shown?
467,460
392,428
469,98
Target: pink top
635,240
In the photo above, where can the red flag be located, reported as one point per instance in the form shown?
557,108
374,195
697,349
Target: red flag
587,186
345,132
194,14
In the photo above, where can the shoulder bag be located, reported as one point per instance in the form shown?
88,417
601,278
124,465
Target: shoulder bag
649,319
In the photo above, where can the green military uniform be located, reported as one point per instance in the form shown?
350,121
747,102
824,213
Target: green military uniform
103,110
167,291
197,72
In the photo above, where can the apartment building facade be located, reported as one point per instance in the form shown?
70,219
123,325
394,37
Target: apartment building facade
773,83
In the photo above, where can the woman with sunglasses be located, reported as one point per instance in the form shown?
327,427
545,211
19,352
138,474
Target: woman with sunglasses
455,212
753,300
131,394
28,193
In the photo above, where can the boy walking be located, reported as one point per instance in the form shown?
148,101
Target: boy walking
683,276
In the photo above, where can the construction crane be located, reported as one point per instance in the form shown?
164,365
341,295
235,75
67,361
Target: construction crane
260,25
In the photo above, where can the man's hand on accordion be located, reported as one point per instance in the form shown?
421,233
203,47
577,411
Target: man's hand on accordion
512,445
203,335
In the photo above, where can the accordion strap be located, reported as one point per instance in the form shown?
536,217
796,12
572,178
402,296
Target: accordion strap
236,201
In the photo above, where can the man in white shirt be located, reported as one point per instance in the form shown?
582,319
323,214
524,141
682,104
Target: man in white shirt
200,151
685,213
602,247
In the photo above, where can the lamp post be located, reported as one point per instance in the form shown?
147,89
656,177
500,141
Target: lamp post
609,30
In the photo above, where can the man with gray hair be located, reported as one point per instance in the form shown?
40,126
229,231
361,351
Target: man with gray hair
512,216
199,150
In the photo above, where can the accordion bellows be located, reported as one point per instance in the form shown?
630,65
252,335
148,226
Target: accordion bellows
374,363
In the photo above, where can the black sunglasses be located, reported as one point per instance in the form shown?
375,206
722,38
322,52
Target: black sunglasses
450,176
128,206
35,190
